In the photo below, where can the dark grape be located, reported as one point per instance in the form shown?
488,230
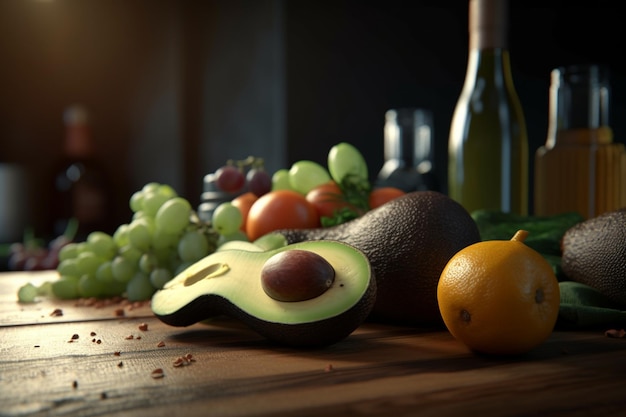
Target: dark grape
259,181
229,178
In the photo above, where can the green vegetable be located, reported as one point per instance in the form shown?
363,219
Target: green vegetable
545,232
356,192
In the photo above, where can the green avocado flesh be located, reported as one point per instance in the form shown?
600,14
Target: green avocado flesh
228,282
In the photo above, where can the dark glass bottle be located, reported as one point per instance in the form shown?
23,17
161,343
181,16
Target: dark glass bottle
408,151
82,190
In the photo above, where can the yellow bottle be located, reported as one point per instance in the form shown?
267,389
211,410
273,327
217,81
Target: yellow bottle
579,168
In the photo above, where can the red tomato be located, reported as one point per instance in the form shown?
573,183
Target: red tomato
327,198
382,195
243,203
280,209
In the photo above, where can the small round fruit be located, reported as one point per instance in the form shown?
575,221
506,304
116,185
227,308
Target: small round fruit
499,297
259,181
280,209
296,275
243,202
226,218
280,180
173,215
229,178
382,195
327,199
345,159
305,175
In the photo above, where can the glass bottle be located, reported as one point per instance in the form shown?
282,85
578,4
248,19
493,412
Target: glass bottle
488,143
579,168
81,187
408,150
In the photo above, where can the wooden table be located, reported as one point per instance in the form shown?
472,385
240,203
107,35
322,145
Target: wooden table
93,361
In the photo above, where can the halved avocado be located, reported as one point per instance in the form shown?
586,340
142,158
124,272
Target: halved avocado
239,245
229,283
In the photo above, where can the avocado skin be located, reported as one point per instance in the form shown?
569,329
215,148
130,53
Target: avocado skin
594,253
408,242
310,335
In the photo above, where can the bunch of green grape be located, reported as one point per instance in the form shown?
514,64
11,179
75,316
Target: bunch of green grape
163,238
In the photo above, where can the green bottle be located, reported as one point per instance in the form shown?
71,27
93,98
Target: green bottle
488,143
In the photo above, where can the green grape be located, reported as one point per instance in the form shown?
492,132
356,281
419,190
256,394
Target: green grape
131,253
89,286
140,233
152,202
344,159
68,267
82,247
139,288
27,293
193,246
306,175
123,269
66,287
120,236
113,289
148,262
226,218
159,277
136,201
139,215
45,289
181,267
236,235
173,215
167,190
165,240
280,180
166,256
68,251
102,244
149,187
104,273
88,263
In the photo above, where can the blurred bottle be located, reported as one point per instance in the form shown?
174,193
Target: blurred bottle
488,143
579,168
14,204
212,197
408,150
82,189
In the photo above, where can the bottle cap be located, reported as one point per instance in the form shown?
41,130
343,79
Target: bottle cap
488,21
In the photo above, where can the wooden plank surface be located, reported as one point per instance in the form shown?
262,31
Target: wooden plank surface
378,371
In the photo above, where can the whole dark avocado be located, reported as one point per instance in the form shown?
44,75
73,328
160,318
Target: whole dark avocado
594,253
408,242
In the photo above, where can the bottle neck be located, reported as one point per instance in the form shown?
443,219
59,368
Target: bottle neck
489,58
579,106
488,24
408,136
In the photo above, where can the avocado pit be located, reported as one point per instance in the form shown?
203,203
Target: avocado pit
296,275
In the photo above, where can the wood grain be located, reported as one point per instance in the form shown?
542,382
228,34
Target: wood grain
379,370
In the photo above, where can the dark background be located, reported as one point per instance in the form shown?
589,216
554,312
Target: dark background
348,62
178,87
